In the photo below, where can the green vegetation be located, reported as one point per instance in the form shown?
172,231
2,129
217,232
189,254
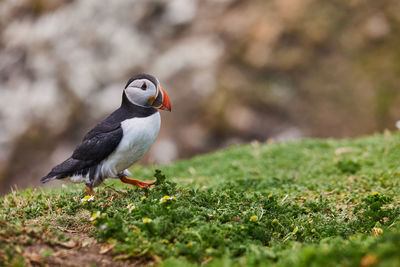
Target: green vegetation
305,203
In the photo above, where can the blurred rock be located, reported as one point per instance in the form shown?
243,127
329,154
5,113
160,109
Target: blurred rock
289,135
195,137
164,151
240,118
181,11
377,26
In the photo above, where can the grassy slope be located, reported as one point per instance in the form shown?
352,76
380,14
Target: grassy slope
298,203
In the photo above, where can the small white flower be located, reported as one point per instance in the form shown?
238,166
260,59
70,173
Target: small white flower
131,207
103,227
87,198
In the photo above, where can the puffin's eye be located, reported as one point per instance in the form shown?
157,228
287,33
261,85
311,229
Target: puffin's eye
144,86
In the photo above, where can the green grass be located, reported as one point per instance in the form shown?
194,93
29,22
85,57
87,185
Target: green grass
305,203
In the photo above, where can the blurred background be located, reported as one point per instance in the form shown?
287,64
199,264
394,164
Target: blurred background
235,70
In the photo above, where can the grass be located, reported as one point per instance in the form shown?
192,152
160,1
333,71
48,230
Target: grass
304,203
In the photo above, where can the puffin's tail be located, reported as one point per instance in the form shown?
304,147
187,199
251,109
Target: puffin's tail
62,170
48,178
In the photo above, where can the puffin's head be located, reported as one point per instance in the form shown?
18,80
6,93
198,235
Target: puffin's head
145,90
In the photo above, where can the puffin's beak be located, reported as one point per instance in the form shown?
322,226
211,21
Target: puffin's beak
166,104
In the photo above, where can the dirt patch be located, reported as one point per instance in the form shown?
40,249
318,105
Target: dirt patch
81,250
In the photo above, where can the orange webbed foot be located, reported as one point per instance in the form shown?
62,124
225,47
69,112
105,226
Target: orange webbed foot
140,184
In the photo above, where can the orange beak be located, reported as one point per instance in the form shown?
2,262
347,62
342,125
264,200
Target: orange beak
166,104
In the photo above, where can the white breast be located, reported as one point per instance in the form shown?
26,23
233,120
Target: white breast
138,135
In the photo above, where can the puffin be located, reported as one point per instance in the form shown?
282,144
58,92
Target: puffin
117,142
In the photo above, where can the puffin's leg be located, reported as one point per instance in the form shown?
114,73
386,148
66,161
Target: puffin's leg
140,184
90,192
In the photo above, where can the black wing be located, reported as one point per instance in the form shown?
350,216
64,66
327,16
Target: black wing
97,145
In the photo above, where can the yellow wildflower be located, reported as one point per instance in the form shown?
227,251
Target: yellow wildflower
95,216
254,218
190,244
143,197
164,199
377,231
87,198
295,230
147,220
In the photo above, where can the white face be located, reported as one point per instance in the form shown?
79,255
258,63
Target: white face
141,92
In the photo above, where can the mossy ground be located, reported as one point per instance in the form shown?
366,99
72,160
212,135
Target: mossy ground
304,203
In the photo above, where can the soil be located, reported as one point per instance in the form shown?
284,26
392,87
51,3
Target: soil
81,250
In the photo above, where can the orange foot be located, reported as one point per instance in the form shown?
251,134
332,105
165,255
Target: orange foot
140,184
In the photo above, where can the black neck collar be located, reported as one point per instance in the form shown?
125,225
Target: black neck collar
136,110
